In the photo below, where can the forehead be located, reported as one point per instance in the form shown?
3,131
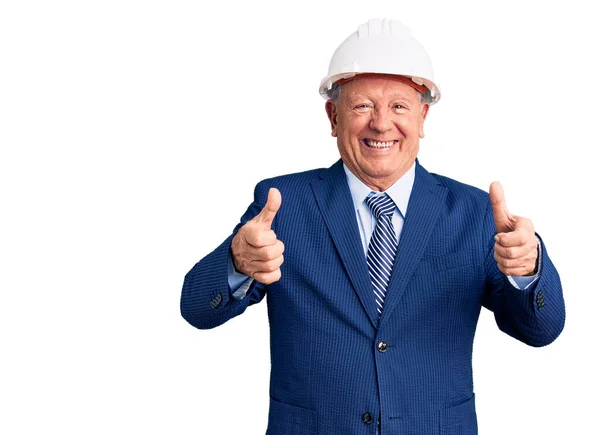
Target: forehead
378,88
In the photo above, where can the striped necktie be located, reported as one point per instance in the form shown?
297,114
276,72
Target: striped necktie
382,247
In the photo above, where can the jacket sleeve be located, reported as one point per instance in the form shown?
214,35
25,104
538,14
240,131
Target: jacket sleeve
206,299
536,315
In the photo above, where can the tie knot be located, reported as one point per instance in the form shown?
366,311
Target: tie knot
380,204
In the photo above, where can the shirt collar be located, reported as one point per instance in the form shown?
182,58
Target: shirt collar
399,191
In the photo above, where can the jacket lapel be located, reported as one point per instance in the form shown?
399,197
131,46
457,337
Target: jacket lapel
426,200
335,202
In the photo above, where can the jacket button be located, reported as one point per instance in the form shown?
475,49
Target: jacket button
216,301
382,346
367,418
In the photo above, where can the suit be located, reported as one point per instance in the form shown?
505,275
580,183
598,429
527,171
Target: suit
336,367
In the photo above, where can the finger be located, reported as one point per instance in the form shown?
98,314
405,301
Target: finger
515,271
267,266
267,214
502,217
260,237
509,263
514,238
513,252
268,277
267,253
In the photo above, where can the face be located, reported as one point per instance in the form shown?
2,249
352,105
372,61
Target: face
378,123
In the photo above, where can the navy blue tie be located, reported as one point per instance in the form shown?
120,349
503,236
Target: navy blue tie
382,247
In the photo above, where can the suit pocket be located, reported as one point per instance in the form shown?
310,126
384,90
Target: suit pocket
439,263
286,419
459,419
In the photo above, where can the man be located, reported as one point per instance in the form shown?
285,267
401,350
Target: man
373,310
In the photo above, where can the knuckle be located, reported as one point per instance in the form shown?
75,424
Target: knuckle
529,264
272,265
270,253
515,253
250,236
263,253
266,266
261,239
270,277
267,237
270,236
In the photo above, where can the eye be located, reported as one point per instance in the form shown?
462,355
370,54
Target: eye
362,107
399,107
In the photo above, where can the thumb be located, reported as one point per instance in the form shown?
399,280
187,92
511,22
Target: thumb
502,217
267,214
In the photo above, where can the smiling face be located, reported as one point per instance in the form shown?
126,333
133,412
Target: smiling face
378,123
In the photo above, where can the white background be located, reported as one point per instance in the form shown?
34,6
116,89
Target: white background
132,134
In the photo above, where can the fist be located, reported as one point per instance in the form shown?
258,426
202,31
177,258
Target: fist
515,250
255,249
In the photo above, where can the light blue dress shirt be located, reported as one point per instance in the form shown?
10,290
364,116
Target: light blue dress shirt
400,193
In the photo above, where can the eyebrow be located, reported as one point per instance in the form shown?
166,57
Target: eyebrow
396,96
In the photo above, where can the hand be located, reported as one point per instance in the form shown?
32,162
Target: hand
515,250
255,249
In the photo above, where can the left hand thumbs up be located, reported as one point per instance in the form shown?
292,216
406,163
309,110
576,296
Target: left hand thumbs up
502,218
515,250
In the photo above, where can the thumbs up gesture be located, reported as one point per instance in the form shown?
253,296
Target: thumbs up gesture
515,250
255,249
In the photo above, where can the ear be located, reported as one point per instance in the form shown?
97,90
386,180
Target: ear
424,112
331,110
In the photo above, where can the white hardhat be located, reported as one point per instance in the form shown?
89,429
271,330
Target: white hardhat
381,47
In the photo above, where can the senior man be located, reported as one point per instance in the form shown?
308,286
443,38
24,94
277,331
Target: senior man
372,313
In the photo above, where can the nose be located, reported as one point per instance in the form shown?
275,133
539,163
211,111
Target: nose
381,121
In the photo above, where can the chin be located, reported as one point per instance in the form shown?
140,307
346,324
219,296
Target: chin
382,170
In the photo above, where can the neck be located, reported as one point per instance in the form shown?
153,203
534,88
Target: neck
380,184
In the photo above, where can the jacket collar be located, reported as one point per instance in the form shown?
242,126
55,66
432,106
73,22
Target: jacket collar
335,202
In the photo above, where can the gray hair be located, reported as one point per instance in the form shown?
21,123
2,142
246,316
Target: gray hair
336,89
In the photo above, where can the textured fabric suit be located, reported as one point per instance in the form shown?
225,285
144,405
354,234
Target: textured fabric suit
335,367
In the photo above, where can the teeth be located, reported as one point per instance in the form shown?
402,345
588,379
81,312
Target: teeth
376,144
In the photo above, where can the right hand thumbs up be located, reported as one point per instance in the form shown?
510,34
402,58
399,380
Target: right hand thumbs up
255,249
267,214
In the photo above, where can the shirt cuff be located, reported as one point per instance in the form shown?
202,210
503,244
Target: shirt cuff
524,282
238,282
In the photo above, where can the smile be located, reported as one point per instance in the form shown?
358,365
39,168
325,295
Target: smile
377,144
